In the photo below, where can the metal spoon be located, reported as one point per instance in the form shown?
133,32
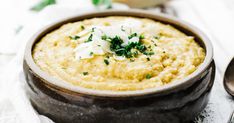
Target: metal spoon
228,80
228,83
231,119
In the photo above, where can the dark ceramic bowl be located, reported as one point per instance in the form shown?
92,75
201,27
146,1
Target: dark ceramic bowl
175,102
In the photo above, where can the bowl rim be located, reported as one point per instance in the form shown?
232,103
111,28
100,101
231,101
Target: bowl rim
170,87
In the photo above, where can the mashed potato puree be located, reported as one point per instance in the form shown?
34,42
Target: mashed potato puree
118,53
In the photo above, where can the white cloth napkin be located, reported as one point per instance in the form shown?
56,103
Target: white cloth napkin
14,104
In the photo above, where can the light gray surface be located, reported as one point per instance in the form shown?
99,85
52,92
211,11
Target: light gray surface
215,18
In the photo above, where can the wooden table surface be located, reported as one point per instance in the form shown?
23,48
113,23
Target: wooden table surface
216,19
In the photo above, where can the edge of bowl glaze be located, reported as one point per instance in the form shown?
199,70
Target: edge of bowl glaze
174,86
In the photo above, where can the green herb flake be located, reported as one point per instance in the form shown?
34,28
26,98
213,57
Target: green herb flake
132,60
156,37
93,29
104,37
148,76
130,50
135,54
141,37
132,35
148,59
85,73
74,37
82,27
148,53
106,62
91,53
90,38
108,39
141,47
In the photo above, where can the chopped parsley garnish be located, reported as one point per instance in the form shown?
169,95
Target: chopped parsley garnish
135,54
132,35
148,76
85,73
104,37
82,27
141,37
132,60
130,50
106,62
91,53
156,37
148,59
74,37
93,29
90,38
148,53
142,48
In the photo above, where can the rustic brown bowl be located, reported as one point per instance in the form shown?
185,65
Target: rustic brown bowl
175,102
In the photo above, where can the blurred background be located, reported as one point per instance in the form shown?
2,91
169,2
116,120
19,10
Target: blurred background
17,14
20,19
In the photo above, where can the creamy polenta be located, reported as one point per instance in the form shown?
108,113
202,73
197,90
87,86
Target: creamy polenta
118,53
